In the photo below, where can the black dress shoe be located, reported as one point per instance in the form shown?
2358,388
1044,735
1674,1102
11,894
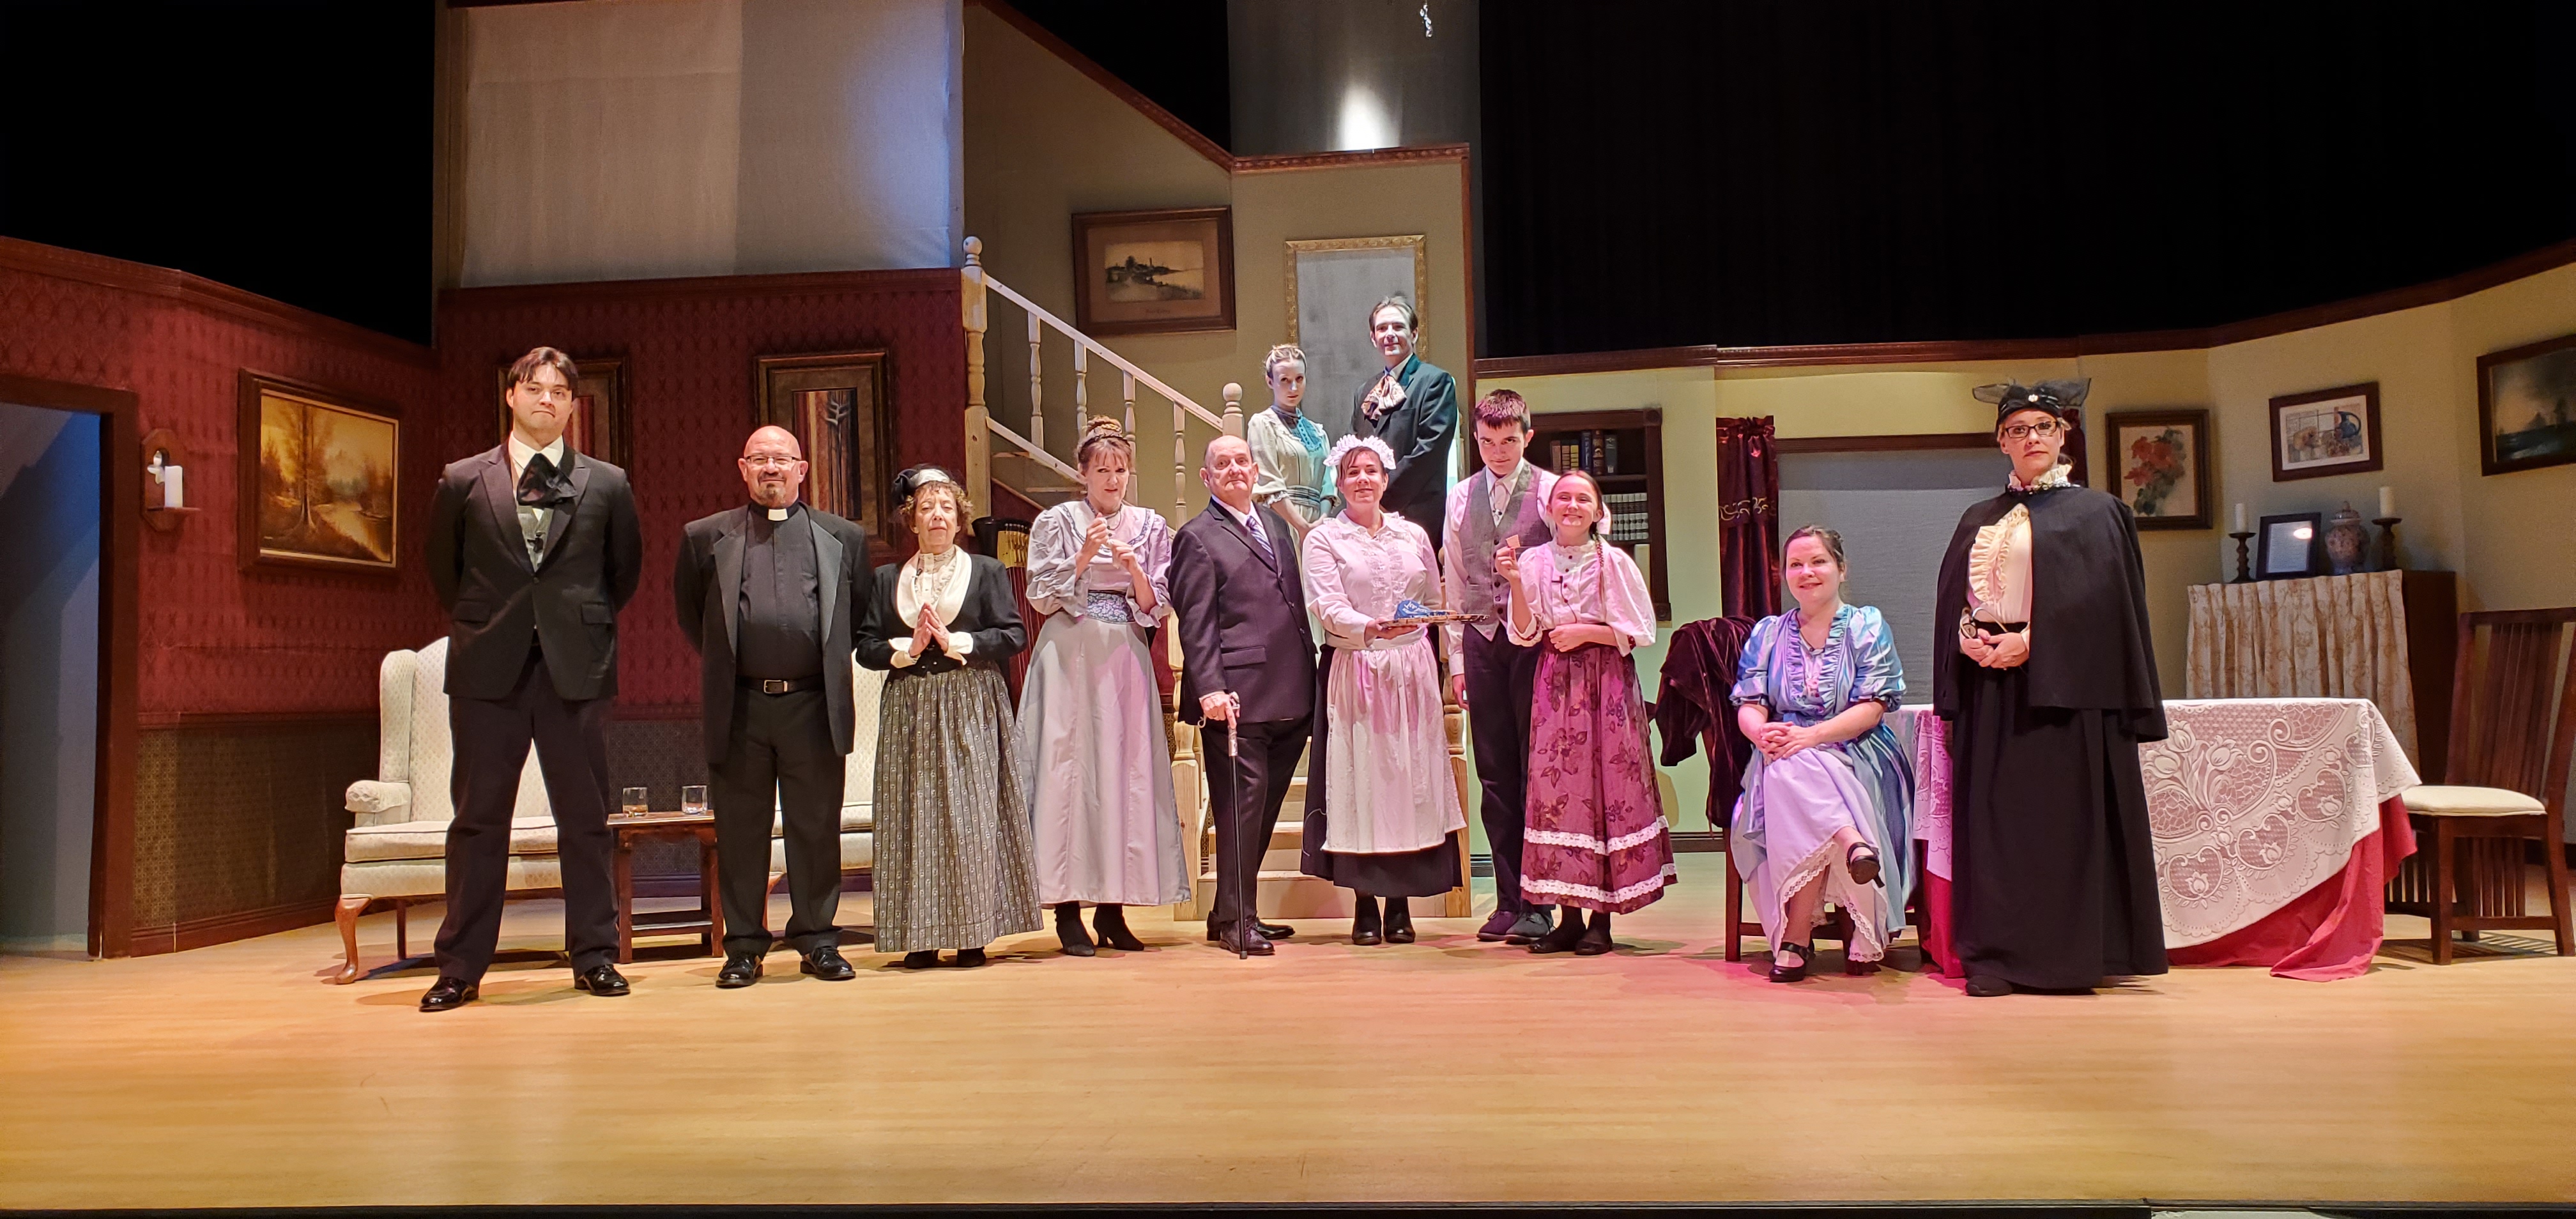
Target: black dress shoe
1862,863
601,980
448,994
1987,986
741,969
1269,931
1399,921
827,964
1567,934
923,959
1250,943
1804,953
1110,922
970,958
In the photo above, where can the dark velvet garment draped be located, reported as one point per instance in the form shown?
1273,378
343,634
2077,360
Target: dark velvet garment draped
1748,523
2054,872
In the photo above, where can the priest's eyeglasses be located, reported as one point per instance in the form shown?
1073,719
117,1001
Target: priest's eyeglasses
2024,431
771,463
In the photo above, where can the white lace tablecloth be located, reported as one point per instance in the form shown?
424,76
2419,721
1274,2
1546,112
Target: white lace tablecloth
2255,801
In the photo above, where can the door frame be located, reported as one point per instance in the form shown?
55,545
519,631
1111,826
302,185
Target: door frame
120,483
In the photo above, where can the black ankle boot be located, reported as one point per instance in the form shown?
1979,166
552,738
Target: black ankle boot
1364,920
1068,930
1567,934
1399,921
1596,938
1110,921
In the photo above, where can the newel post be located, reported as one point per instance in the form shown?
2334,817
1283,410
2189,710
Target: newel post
979,446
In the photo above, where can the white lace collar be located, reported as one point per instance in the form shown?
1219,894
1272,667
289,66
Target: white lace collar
2059,475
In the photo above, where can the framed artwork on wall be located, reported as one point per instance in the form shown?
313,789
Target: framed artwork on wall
2289,547
2160,463
1332,284
320,477
1167,271
2326,432
835,403
2527,407
598,425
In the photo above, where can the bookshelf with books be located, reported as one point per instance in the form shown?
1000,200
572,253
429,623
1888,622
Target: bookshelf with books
1624,450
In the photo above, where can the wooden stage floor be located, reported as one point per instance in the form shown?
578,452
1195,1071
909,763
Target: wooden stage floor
1441,1071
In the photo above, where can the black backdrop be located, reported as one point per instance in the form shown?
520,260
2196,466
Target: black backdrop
281,146
1671,173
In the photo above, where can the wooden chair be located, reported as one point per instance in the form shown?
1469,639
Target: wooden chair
1836,925
2513,728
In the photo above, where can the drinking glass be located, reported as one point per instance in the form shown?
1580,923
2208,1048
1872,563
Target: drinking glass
693,799
632,802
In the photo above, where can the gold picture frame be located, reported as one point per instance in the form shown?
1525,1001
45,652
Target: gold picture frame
321,477
1157,271
1331,284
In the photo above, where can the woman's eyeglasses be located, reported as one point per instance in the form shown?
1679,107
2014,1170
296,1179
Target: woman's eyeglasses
2024,431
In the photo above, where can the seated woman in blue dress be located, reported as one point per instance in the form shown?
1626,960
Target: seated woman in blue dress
1827,812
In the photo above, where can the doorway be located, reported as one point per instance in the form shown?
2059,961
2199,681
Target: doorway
51,533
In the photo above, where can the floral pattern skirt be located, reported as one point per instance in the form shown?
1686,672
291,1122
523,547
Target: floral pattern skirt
1595,837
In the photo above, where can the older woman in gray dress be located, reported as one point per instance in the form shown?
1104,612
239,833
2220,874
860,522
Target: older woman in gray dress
953,863
1095,768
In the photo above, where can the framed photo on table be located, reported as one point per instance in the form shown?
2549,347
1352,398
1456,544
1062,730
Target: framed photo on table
321,477
2160,462
598,425
2326,432
835,403
1168,271
2527,407
2290,547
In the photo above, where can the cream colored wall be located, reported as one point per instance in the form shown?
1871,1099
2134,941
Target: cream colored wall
2518,531
1044,142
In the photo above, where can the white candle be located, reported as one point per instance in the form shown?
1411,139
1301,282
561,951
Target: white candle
2240,518
172,495
2387,503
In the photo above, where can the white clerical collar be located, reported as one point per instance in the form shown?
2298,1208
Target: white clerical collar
520,452
778,514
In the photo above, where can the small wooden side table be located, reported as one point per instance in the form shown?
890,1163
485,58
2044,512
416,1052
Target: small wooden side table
707,920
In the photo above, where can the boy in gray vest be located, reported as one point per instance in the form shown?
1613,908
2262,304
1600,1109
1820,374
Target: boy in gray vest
1490,676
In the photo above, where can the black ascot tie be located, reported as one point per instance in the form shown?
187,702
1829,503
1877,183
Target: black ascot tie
541,485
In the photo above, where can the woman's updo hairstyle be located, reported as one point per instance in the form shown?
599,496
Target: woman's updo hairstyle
1103,432
1832,542
1285,353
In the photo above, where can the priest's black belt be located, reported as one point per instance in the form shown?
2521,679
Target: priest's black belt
772,685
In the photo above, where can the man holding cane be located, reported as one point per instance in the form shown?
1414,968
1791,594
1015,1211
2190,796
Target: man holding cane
1247,667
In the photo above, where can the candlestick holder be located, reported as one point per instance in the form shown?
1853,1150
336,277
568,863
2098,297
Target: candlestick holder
2244,558
2387,542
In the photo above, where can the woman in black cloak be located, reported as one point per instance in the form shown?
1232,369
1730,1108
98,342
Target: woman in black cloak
2046,675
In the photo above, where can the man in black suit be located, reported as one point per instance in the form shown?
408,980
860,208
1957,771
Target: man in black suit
767,594
533,548
1413,406
1247,665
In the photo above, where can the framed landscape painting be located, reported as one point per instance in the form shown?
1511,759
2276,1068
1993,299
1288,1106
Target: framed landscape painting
2161,459
598,425
320,476
2527,407
2326,432
1168,271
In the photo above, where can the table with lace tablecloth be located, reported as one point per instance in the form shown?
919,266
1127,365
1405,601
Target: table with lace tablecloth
2276,824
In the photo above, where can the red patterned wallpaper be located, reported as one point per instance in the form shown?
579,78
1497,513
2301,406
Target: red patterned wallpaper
213,637
216,639
689,347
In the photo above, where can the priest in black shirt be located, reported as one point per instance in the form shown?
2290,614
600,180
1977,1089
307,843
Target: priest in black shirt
768,593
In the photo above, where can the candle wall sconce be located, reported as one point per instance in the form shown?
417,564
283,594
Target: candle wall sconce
165,483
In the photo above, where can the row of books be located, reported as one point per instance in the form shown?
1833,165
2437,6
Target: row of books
1627,515
1596,451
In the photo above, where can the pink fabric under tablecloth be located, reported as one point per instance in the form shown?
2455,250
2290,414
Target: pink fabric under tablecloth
2249,799
2330,931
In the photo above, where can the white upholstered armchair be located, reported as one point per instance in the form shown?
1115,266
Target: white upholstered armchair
396,853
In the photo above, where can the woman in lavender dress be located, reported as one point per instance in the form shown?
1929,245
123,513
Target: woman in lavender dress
1094,765
1827,811
1595,837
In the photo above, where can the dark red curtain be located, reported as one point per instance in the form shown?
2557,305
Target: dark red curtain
1748,517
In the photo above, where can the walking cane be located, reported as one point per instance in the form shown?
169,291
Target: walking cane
1233,745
